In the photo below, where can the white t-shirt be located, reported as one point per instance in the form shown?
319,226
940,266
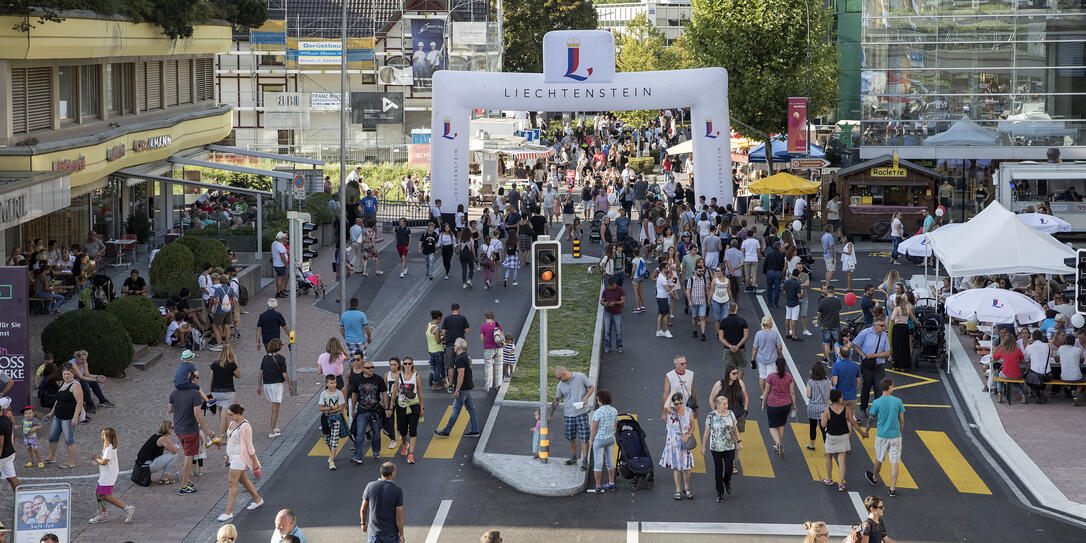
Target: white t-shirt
107,474
494,249
205,283
661,285
331,400
1070,362
278,250
174,325
703,227
751,246
897,229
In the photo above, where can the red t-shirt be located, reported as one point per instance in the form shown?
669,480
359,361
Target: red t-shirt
1012,362
613,295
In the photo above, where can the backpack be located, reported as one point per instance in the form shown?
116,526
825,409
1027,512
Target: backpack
195,340
367,397
224,299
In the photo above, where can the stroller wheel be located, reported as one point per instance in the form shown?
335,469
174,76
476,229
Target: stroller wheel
635,484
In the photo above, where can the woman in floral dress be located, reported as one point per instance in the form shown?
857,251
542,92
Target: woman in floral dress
680,426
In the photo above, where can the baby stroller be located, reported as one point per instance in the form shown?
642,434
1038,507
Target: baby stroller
597,220
308,281
634,460
804,253
929,343
101,291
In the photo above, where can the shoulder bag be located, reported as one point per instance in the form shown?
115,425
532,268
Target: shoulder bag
690,443
1035,379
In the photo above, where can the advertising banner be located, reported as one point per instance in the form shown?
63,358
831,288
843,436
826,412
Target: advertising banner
43,509
391,75
418,154
324,101
797,125
325,53
428,49
271,36
370,108
468,33
14,334
286,110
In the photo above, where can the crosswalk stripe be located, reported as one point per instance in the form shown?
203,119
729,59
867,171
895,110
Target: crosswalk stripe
321,448
754,458
955,466
904,478
445,447
699,460
816,459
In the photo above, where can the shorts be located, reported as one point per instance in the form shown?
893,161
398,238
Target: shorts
190,443
274,392
31,442
576,428
750,269
221,319
359,347
7,466
888,446
791,313
238,463
765,369
851,404
103,490
567,219
803,305
828,336
737,359
838,444
223,399
697,310
777,416
280,271
402,249
829,263
637,280
663,306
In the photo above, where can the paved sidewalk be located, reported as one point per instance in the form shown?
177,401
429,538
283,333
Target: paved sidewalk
141,397
1050,435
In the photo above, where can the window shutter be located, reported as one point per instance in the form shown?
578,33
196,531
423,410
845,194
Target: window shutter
18,100
39,98
154,85
184,81
171,82
141,87
205,79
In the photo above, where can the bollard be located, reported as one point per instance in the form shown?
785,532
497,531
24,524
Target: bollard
576,248
544,444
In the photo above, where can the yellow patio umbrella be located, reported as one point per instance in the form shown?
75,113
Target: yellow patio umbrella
783,183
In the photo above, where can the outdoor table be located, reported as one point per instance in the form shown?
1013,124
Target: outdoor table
121,245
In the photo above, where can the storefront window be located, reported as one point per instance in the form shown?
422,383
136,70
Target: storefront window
66,100
67,226
105,203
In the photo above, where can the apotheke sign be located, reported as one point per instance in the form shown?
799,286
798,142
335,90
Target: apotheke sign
149,144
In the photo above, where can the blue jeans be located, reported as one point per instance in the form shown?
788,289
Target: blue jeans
893,252
773,288
88,388
720,310
367,421
54,300
437,368
430,263
612,323
64,426
387,538
464,401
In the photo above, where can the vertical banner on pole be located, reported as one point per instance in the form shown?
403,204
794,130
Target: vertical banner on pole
14,335
797,125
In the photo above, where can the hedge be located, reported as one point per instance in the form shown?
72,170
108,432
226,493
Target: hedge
99,333
171,270
642,164
209,251
140,317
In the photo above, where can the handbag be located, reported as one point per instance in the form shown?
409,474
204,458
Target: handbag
141,474
689,443
1035,379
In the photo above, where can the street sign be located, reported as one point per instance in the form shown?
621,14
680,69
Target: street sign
809,163
298,185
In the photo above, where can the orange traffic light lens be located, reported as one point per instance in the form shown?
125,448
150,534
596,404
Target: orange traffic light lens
547,275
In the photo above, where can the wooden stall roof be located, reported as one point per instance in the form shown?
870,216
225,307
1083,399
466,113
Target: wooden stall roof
886,159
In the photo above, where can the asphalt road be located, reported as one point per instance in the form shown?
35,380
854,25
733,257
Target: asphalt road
958,496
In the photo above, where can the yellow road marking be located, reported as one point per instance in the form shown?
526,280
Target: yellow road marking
699,460
926,405
321,448
816,459
754,458
445,447
904,479
921,379
955,466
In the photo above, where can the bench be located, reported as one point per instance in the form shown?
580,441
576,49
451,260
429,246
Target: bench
1055,382
39,305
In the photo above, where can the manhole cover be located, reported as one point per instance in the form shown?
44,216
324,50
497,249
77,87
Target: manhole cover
562,352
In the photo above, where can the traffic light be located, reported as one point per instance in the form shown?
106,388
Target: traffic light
1080,281
546,275
309,244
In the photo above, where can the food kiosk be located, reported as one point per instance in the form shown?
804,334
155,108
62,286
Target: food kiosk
874,190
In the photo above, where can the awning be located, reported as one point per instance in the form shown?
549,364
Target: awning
229,167
200,184
522,154
262,154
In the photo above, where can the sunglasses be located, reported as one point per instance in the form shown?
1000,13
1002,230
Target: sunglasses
367,367
409,363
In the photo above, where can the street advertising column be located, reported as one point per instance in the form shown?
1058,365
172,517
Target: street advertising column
14,334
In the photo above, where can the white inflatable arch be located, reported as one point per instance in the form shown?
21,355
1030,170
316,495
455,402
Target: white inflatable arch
579,75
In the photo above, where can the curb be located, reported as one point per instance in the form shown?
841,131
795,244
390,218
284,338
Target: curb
521,471
1023,473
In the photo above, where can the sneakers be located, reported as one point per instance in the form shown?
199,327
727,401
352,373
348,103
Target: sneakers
571,461
659,333
441,433
254,505
694,334
598,490
472,434
356,460
892,492
99,518
41,465
411,458
667,334
331,465
403,450
515,283
703,336
225,517
107,404
187,489
28,465
871,478
807,333
402,274
128,511
392,444
275,433
216,348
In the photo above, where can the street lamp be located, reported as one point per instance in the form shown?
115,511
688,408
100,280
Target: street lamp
810,173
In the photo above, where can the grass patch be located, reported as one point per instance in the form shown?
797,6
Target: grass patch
570,327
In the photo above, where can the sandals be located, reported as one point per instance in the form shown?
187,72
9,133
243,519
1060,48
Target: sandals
167,481
678,496
689,494
66,466
827,482
841,487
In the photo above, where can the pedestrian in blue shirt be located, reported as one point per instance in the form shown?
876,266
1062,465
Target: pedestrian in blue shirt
369,207
846,373
355,329
888,414
873,346
867,303
829,251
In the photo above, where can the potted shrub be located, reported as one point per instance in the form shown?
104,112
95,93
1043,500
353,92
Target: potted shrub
99,333
140,318
172,270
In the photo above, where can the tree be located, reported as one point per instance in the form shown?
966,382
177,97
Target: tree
526,21
643,48
763,45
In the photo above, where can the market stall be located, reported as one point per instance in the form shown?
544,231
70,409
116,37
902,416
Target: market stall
876,189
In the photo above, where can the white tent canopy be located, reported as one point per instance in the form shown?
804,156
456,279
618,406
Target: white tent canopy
997,241
682,148
963,132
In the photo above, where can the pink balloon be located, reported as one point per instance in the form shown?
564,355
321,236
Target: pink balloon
850,299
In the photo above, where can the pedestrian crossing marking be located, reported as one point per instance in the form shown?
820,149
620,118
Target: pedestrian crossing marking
445,447
957,469
816,459
754,458
904,478
699,460
321,448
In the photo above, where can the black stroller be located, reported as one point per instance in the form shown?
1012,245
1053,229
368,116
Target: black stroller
804,253
101,291
929,339
634,460
597,220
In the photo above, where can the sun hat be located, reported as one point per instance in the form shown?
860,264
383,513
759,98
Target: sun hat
187,355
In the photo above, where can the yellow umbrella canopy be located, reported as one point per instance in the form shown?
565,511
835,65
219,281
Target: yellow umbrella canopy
784,183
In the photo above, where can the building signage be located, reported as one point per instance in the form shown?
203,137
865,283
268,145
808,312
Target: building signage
319,52
148,144
70,165
28,203
889,172
468,33
115,152
14,334
324,101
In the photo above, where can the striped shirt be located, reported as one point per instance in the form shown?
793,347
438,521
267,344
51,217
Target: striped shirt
509,354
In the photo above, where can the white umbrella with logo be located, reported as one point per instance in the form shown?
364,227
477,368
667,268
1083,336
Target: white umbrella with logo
1048,224
994,305
920,245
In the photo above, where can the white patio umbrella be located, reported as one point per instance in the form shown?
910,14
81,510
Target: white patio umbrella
920,245
994,305
1045,223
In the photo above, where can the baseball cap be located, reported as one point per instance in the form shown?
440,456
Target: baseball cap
273,303
187,355
280,235
5,402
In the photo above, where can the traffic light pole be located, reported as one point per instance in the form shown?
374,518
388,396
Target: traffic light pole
546,294
296,240
544,438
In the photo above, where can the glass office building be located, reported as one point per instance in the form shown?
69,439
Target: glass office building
1014,69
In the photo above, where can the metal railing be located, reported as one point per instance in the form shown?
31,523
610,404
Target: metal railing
389,213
